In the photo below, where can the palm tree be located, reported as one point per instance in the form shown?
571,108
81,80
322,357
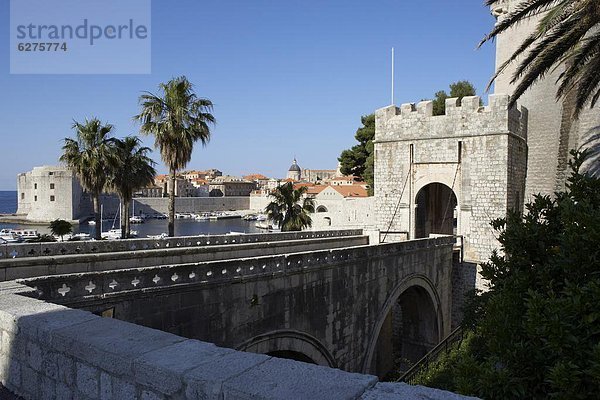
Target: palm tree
290,208
567,34
89,157
60,227
177,119
132,170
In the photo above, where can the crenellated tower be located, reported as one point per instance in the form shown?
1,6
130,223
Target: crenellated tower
452,173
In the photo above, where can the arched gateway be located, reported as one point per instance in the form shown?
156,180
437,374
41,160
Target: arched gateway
409,325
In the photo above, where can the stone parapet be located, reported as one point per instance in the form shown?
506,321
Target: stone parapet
50,351
461,119
86,286
28,250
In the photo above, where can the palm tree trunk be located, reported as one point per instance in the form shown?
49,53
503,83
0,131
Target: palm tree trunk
127,221
123,218
172,204
96,205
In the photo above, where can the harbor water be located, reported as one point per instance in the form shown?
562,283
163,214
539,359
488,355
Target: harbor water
183,227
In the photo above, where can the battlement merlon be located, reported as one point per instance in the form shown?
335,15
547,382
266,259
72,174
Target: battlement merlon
468,118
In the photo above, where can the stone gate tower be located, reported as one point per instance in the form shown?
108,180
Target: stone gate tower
551,133
452,173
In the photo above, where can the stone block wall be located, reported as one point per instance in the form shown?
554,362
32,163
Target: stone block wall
53,352
478,152
551,130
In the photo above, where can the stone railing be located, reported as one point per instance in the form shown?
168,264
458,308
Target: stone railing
24,250
50,351
67,288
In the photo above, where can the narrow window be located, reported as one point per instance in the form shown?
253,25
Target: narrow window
22,196
52,186
459,151
34,198
51,198
35,185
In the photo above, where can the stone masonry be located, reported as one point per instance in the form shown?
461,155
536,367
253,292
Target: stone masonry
551,131
480,153
53,352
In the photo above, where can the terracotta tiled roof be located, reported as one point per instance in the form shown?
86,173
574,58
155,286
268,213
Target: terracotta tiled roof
351,190
255,177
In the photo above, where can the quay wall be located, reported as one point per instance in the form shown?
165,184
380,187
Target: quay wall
51,351
151,205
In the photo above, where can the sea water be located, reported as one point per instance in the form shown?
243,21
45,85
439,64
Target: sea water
8,202
183,227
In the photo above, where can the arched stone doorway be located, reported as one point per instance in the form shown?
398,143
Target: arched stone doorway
409,329
435,211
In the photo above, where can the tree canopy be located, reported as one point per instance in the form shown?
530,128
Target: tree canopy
458,89
89,156
177,118
290,208
360,159
536,332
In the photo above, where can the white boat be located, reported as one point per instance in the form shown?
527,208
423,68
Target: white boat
202,217
161,236
135,219
27,233
9,236
112,234
91,222
263,225
81,236
223,215
261,217
116,234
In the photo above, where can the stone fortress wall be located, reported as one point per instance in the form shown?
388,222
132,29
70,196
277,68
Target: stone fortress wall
50,192
478,152
551,133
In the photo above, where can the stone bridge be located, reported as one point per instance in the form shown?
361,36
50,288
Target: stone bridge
359,308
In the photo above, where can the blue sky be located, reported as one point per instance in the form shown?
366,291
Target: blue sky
288,78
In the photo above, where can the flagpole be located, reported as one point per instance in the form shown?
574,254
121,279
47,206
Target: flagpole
392,75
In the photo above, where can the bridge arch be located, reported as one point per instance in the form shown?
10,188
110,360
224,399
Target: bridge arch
291,344
416,302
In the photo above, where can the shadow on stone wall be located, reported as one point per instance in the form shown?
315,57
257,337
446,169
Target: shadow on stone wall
591,142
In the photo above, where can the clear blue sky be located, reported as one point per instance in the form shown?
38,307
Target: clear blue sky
288,78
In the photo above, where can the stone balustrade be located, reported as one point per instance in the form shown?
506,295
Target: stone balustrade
26,250
68,288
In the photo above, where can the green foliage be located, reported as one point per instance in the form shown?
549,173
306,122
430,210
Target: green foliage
536,332
177,119
131,170
89,157
290,208
60,227
458,89
360,159
42,239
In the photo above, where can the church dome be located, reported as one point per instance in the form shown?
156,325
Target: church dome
294,167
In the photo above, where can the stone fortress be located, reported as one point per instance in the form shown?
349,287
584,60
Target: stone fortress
454,173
